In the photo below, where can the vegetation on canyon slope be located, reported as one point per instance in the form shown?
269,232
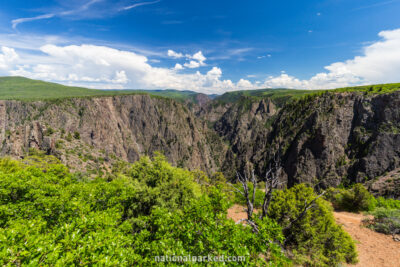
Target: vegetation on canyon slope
48,216
131,213
20,88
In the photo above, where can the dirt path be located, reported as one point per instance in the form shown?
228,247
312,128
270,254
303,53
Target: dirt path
237,213
374,249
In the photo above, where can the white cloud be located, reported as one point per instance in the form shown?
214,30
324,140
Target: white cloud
379,63
140,4
198,61
15,22
245,84
173,54
106,67
7,57
195,61
192,64
178,67
82,8
199,57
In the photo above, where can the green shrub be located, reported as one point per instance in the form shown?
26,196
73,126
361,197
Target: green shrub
387,203
77,135
202,228
315,239
240,199
49,131
355,199
386,221
50,217
69,137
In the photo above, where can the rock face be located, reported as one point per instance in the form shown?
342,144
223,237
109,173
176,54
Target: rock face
80,131
324,139
343,137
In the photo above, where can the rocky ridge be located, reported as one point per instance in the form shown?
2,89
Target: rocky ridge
324,139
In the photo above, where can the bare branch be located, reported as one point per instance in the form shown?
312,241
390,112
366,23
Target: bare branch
305,209
237,190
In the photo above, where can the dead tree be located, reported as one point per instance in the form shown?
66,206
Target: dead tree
271,180
244,179
271,183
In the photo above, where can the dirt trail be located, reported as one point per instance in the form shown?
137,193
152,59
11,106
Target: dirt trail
374,249
237,213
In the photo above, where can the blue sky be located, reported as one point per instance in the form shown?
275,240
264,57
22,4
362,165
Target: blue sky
207,46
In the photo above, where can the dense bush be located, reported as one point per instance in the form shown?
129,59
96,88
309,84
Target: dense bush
386,212
315,239
386,216
355,199
202,228
387,203
386,221
50,217
240,199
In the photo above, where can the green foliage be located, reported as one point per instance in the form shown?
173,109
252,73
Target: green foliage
387,203
69,137
278,96
202,228
49,217
386,216
20,88
161,185
77,135
386,221
240,199
49,131
218,178
315,239
355,199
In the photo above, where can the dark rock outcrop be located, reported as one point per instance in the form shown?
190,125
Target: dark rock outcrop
324,140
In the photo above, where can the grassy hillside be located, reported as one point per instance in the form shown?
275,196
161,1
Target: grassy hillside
19,88
281,96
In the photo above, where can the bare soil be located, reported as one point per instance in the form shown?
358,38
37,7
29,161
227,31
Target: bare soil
374,249
237,213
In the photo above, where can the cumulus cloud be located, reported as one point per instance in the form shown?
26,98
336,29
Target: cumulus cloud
194,61
173,54
192,64
7,57
178,67
108,68
379,63
105,67
199,57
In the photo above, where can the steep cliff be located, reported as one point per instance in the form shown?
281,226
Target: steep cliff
92,133
323,138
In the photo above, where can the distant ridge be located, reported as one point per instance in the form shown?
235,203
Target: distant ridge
21,88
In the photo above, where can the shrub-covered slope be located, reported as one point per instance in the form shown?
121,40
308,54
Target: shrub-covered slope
325,138
49,216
